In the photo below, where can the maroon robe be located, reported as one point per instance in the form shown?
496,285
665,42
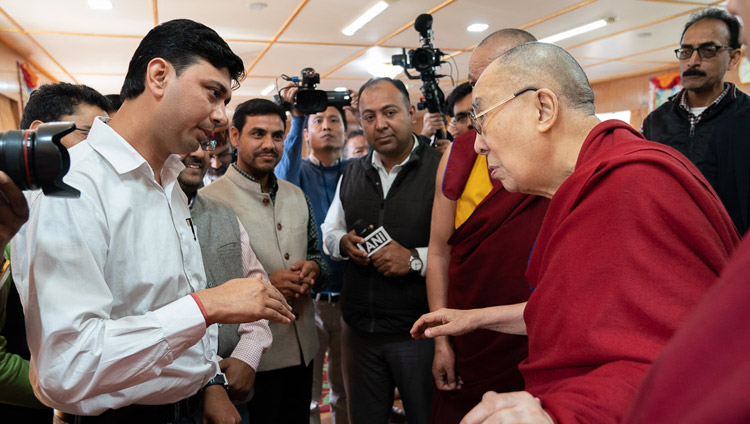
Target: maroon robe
702,374
632,239
489,253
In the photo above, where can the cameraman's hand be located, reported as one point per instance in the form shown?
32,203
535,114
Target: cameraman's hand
431,122
13,209
288,94
354,107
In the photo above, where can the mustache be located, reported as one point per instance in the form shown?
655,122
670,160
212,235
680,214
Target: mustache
693,72
187,162
265,152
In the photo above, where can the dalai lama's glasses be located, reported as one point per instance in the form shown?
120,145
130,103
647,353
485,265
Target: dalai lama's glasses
477,123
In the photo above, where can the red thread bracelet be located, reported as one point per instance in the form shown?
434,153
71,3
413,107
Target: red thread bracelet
200,306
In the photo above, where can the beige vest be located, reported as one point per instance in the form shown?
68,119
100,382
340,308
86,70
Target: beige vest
278,235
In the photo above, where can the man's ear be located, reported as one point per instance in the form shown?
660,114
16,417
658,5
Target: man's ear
157,74
734,58
234,137
548,108
413,114
35,124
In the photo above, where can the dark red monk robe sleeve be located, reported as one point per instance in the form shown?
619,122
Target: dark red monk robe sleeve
627,248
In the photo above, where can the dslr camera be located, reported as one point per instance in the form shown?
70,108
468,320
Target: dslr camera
311,100
36,159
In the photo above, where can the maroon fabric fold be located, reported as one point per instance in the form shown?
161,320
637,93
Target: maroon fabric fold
631,241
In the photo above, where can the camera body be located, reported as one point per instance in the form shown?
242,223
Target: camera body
36,159
426,60
311,100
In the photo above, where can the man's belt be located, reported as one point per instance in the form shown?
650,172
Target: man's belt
138,414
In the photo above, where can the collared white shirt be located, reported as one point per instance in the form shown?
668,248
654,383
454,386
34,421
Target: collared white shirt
334,226
105,288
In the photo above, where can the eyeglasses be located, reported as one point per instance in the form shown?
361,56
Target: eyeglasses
477,124
705,51
225,157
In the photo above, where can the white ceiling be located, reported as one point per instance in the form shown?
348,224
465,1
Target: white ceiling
70,42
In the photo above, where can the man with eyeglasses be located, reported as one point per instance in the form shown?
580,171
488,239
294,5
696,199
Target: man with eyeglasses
220,158
632,239
459,105
473,217
705,120
701,375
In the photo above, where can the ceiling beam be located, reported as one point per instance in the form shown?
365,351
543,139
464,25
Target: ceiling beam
36,43
278,34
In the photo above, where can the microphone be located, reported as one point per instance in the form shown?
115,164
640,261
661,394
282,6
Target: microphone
375,238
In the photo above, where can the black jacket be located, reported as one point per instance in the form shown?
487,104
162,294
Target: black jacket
719,146
371,302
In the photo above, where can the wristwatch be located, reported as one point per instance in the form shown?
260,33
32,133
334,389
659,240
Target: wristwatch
415,263
220,378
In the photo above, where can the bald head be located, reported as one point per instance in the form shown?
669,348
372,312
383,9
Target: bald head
492,47
542,65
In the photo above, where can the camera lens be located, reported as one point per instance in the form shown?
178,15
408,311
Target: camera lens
16,150
422,59
37,159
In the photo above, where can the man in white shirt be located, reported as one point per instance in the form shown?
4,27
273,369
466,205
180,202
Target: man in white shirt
118,316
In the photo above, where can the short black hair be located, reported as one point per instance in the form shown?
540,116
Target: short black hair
51,102
115,100
396,83
181,42
732,23
341,111
462,90
256,107
354,133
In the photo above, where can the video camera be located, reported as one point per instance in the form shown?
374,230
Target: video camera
37,159
311,100
426,60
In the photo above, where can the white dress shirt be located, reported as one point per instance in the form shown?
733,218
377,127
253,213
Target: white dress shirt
334,226
105,288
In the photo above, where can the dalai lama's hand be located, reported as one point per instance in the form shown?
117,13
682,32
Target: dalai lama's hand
514,407
392,260
445,322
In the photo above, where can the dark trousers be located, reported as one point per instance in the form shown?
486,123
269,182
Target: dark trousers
282,396
375,364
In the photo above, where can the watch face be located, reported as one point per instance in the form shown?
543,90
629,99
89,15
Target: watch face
415,264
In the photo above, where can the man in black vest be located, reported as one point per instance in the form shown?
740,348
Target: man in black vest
708,120
383,294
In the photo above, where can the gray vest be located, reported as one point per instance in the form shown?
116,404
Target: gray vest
278,236
219,236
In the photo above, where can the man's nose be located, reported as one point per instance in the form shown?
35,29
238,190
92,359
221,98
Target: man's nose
219,115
